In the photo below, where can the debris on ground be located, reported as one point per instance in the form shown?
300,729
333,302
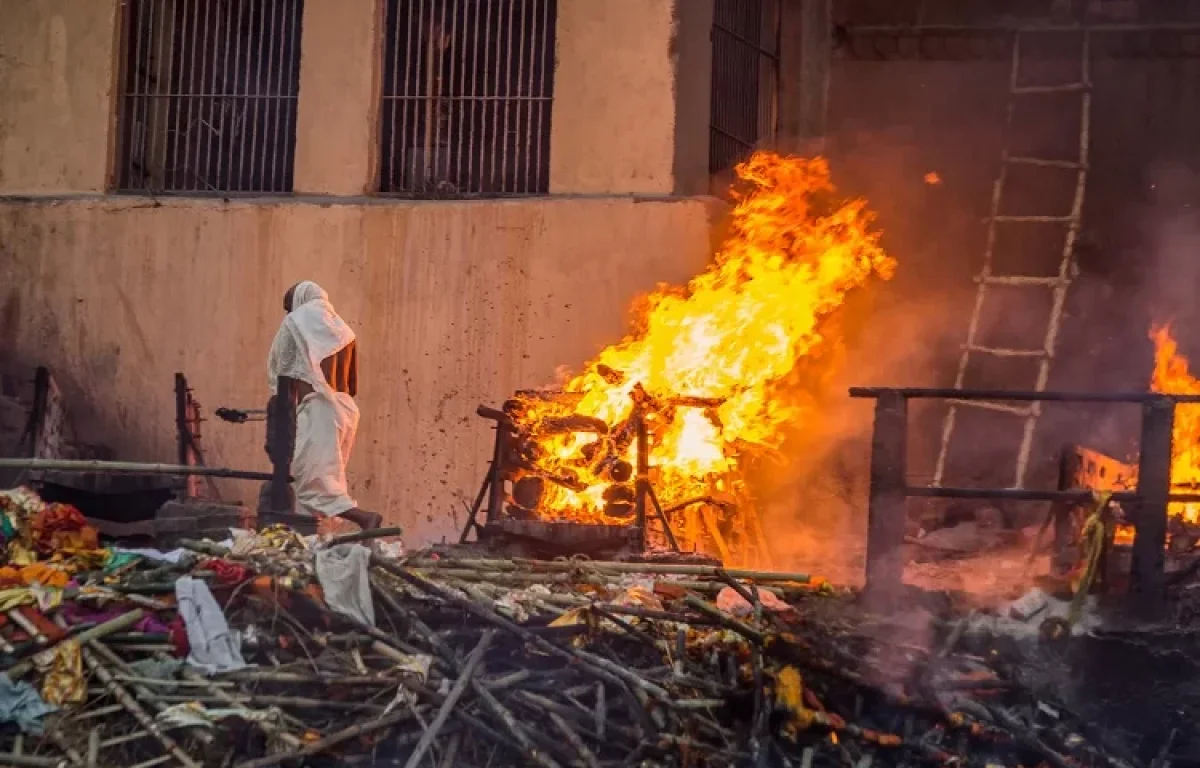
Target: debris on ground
271,648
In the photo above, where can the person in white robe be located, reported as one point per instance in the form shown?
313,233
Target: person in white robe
317,350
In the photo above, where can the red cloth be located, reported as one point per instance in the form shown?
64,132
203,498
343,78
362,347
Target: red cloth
178,632
228,572
62,527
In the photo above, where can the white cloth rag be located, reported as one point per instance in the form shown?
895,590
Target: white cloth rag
214,647
326,421
342,571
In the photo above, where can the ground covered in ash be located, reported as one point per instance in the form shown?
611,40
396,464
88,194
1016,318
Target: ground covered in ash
1128,684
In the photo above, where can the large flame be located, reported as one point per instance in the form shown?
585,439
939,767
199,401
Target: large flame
724,343
1171,374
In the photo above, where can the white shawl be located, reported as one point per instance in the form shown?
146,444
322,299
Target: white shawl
311,332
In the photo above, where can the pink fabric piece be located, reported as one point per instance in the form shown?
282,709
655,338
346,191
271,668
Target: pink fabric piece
76,614
731,602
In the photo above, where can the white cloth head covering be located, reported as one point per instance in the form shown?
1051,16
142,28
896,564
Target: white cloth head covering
311,332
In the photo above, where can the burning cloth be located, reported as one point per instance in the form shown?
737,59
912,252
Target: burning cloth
326,420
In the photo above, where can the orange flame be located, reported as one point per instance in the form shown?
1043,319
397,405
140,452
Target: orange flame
1171,374
731,337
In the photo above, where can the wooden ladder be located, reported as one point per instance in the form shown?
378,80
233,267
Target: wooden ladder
1057,284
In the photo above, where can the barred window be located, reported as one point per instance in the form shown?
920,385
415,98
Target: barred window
467,92
745,77
208,96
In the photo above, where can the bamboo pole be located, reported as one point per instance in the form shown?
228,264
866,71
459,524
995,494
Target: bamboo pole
144,719
139,689
605,566
95,633
598,579
30,761
456,692
129,467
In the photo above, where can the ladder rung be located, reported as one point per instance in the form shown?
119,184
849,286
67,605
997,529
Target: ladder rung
988,405
1025,90
1003,352
1035,219
1023,280
1044,163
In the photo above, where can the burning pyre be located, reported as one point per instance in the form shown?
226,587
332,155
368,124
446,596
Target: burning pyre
1171,374
708,370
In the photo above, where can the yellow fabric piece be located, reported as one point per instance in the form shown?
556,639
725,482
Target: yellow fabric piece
789,696
571,618
65,683
20,555
15,596
1094,534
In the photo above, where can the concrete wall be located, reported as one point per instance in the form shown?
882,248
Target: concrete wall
631,96
338,107
56,94
630,112
455,305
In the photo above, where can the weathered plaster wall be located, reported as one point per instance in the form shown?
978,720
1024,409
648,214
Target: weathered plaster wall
338,104
456,305
617,122
630,113
56,92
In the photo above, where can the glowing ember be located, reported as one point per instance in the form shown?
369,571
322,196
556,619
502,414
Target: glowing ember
707,362
1171,375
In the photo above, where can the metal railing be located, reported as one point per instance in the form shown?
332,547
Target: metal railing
890,486
467,93
745,79
207,102
965,42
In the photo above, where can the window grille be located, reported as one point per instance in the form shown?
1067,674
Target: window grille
745,77
208,96
467,92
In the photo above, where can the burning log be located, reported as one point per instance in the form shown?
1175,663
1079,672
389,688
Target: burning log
576,422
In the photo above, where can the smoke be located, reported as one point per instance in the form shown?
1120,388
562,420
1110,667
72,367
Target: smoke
896,333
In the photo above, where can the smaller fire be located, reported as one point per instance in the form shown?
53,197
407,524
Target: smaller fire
1171,374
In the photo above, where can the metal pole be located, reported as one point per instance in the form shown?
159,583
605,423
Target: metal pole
41,409
886,513
495,472
642,482
181,419
281,442
129,467
1147,582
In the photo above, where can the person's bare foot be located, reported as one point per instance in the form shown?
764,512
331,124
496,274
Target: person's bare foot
368,521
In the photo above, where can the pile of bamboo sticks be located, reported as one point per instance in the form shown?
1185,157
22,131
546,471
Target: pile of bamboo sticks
475,662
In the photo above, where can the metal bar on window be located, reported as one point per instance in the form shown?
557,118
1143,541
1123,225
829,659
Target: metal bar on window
157,126
745,79
222,109
546,85
463,82
522,179
509,180
243,87
745,42
199,127
192,82
472,183
261,62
